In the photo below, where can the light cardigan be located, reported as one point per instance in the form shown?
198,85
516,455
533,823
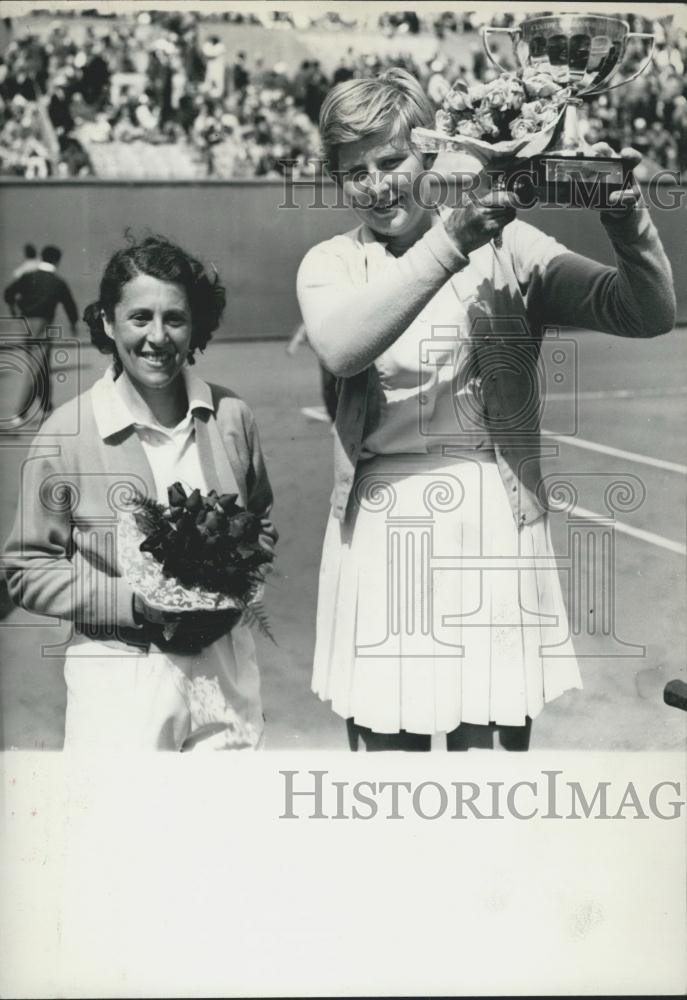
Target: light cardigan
540,283
61,555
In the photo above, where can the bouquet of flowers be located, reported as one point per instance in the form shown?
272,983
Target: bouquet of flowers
508,115
200,553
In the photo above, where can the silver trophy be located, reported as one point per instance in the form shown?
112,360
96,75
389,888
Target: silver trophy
584,53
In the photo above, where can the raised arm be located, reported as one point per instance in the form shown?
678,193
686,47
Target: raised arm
636,298
350,322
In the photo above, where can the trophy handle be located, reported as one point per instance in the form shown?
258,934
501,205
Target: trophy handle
621,83
513,33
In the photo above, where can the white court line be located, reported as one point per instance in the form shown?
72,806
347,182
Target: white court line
618,393
627,529
604,449
318,413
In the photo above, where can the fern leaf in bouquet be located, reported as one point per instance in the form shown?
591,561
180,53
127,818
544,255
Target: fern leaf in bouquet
149,515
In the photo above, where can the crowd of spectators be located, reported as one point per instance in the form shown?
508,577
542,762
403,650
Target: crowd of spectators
153,77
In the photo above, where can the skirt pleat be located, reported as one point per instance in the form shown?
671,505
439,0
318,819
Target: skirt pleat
409,635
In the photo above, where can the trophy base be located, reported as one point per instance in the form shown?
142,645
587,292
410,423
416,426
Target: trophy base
573,181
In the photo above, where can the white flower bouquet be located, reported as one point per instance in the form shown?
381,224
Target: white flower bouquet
509,116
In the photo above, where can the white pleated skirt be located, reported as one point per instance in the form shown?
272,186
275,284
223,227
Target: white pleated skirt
434,608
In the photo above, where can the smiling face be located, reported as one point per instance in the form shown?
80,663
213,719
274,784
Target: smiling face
380,179
152,329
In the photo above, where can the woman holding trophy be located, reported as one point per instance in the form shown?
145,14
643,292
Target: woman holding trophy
439,607
161,657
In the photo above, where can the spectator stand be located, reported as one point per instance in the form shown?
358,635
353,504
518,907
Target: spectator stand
176,95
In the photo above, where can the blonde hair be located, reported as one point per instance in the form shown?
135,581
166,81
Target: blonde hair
390,104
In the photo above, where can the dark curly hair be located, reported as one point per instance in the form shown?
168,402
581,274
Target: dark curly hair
159,258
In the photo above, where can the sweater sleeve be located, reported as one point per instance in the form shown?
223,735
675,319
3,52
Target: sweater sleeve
45,571
258,488
635,298
351,322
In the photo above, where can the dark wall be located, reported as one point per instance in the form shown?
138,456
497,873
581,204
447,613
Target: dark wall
255,244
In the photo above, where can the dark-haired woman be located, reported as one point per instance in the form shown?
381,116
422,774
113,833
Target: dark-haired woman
148,422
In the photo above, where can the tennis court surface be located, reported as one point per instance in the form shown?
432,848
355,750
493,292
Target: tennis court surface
615,428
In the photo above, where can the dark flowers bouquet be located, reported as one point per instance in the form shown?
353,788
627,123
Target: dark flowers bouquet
198,554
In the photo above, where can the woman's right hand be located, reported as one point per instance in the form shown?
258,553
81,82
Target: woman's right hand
479,220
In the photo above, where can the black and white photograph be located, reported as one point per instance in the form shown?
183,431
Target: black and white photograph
342,412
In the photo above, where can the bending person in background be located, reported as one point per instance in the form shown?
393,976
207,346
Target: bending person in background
29,263
434,328
35,296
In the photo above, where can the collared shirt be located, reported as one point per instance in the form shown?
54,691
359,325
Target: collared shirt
25,267
171,451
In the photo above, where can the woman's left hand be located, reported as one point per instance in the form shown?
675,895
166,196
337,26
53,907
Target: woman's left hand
624,201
